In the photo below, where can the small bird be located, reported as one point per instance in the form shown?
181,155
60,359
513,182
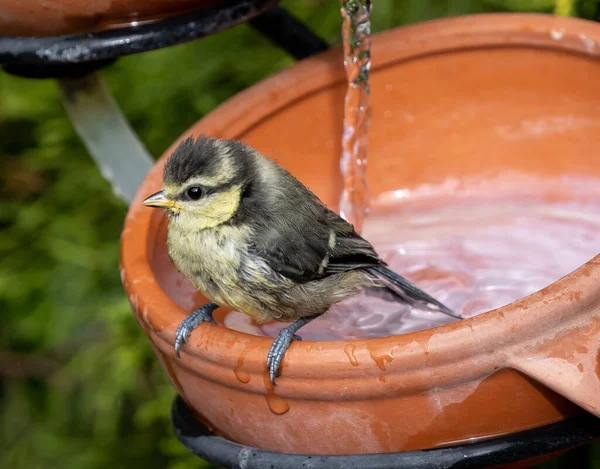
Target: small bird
253,238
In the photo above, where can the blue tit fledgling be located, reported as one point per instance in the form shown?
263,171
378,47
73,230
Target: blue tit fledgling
251,237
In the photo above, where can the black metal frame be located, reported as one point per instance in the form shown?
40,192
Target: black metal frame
504,450
288,33
76,55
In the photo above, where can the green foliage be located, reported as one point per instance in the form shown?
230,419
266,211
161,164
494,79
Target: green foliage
79,384
524,5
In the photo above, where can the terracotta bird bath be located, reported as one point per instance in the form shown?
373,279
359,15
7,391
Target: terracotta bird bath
450,99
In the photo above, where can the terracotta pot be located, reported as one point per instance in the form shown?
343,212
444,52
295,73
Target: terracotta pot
450,102
58,17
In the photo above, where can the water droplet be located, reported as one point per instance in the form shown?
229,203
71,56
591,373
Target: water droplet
349,350
242,375
381,360
589,43
277,404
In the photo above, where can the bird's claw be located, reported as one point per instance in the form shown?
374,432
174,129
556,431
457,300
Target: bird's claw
277,352
202,314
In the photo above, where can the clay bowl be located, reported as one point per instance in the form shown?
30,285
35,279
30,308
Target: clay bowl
453,100
60,17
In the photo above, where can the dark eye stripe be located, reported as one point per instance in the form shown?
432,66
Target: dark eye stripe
220,188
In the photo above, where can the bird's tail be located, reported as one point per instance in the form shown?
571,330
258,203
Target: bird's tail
407,292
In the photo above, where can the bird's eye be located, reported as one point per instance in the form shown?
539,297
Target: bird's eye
194,193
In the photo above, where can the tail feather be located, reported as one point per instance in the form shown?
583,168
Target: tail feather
407,292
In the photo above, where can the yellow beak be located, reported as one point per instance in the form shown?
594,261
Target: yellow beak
159,200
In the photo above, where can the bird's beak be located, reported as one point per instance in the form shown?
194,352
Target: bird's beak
159,200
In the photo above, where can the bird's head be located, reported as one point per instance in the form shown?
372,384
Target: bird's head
204,180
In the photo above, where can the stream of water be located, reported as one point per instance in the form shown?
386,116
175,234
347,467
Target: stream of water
356,35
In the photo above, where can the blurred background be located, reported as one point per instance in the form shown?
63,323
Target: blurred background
79,384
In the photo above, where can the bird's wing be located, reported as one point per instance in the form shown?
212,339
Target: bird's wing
324,245
350,251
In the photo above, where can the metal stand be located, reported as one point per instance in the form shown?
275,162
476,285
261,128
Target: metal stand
72,60
286,32
486,454
119,154
79,54
36,57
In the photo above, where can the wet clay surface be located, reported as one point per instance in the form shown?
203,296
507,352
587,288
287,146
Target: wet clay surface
526,108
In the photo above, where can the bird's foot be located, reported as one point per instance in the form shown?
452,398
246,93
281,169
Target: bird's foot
202,314
281,344
277,352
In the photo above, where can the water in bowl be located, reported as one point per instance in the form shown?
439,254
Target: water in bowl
474,253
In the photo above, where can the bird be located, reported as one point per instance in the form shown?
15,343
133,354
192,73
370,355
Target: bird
251,237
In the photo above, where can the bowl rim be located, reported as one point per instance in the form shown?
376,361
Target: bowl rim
477,346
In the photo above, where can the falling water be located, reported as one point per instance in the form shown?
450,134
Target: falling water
356,32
